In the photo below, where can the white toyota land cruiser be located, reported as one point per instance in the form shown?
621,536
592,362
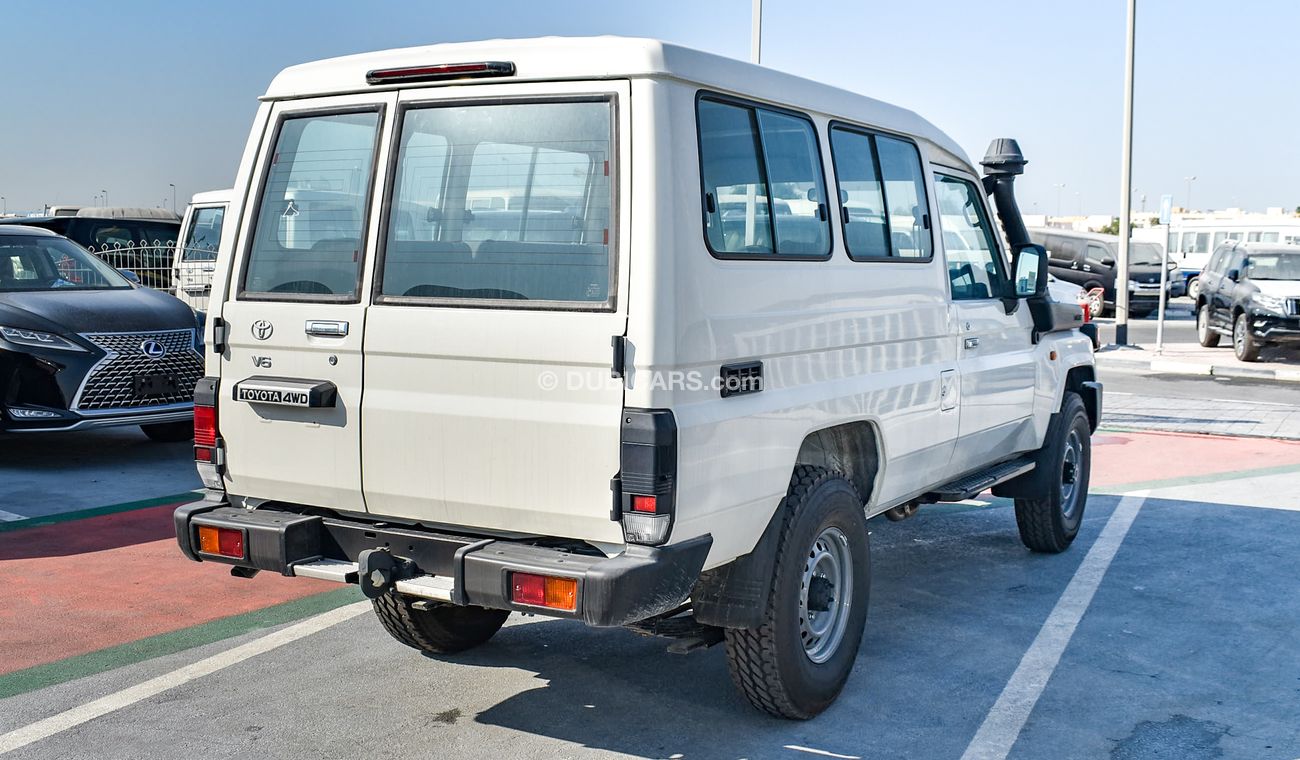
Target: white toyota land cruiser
618,331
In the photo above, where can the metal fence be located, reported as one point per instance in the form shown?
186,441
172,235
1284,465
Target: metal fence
154,266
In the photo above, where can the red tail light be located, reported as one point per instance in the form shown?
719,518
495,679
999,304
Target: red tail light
205,425
224,542
544,591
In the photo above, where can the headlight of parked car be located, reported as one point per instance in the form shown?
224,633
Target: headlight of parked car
37,339
1270,303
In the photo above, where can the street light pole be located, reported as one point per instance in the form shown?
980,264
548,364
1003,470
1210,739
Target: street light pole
1059,187
1126,186
1189,181
104,193
173,186
756,32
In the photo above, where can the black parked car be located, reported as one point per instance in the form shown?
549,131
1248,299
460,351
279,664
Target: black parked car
1251,293
1088,260
83,346
142,240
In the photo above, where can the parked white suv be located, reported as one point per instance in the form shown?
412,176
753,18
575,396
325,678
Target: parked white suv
614,330
196,252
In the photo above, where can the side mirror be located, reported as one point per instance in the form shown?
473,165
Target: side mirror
1108,262
1234,274
1030,266
132,276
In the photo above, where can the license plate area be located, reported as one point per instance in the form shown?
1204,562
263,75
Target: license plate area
155,385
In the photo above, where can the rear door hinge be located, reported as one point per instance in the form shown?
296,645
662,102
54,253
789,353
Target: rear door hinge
619,342
220,333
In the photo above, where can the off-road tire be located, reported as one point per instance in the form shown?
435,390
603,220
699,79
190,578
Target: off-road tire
440,629
1205,335
1243,343
769,663
169,432
1048,524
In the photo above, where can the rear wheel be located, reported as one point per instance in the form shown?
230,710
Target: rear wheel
1140,313
170,432
437,628
1206,336
1050,522
794,664
1194,288
1243,343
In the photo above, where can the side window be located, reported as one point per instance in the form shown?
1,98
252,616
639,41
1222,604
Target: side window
1215,266
1097,254
1068,251
975,269
204,236
764,193
311,215
909,214
883,208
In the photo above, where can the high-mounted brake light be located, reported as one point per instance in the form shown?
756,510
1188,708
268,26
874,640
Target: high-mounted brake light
441,71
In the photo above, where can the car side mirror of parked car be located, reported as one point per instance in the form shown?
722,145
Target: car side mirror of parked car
1030,266
1108,262
1234,274
132,276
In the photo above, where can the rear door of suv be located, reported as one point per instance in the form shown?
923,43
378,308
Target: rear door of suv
295,311
489,400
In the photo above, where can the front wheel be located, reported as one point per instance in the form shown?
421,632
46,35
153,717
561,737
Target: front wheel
169,432
1206,336
1050,522
1243,343
794,664
1194,288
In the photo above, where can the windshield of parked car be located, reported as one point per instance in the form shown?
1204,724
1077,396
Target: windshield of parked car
1273,266
37,263
1144,255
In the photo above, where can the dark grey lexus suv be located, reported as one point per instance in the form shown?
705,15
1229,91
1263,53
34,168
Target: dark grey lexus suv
82,345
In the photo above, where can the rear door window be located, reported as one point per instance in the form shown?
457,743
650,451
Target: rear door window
764,193
503,202
311,216
883,207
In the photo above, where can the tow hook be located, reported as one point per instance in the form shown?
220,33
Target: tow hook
378,570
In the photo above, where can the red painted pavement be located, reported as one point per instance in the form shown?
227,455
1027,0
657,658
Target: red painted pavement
81,586
77,587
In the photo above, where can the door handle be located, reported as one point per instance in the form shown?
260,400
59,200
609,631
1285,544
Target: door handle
972,342
326,328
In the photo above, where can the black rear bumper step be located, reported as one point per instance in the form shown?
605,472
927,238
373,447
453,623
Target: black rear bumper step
965,487
640,583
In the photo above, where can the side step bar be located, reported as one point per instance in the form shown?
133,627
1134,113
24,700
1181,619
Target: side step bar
965,487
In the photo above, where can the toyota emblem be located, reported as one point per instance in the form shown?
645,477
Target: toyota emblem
262,329
153,349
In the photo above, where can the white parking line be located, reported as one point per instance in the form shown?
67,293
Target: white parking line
1003,724
43,729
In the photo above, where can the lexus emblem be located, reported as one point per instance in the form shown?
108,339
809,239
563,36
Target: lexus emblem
153,349
262,329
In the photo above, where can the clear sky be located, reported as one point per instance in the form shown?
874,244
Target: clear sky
132,95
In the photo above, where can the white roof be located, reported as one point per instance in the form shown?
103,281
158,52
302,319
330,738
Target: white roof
550,58
211,196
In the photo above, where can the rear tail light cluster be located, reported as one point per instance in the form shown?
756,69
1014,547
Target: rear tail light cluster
209,452
647,475
549,591
223,542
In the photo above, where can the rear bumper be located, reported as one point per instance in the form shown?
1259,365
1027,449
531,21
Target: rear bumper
458,569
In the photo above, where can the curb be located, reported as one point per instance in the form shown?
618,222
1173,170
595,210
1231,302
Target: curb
1198,369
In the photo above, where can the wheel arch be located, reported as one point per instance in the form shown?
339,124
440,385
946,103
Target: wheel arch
735,594
1077,380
